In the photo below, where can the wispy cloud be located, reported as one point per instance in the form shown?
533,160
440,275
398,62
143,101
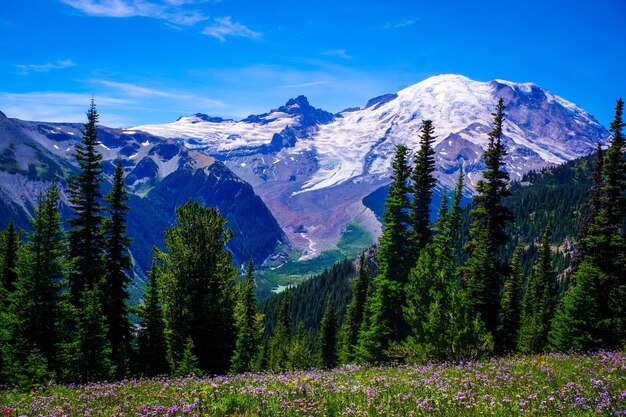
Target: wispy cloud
25,69
402,24
224,26
171,11
339,53
138,91
304,85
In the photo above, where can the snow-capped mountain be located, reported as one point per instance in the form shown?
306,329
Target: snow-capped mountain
160,175
313,168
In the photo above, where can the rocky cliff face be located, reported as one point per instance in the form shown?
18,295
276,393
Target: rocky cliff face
161,174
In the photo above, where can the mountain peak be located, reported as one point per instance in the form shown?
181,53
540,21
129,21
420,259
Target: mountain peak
300,101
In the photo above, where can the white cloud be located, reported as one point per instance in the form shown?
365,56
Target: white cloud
339,53
304,85
171,11
402,24
25,69
138,91
224,27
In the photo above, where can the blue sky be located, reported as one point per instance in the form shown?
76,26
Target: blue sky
149,61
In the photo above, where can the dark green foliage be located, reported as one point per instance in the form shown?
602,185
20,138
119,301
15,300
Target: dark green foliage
576,324
34,305
606,239
86,242
328,336
385,316
280,342
483,272
197,280
151,340
9,245
117,266
308,299
300,355
249,325
538,302
354,313
89,351
188,364
422,191
510,307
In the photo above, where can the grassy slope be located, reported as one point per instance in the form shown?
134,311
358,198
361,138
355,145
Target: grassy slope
571,385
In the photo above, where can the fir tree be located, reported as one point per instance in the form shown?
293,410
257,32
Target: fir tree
35,302
510,308
328,336
197,283
9,245
354,313
247,322
86,242
386,320
483,272
606,239
188,364
538,302
151,339
280,341
90,350
422,190
589,210
117,263
300,355
575,324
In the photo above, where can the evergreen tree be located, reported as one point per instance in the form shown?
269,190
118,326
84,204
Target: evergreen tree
151,339
117,263
300,355
606,239
589,210
422,190
280,342
9,245
86,242
90,350
328,336
483,272
35,303
510,309
188,364
247,321
386,320
197,282
538,302
354,313
575,324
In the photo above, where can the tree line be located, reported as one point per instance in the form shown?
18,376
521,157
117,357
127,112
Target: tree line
64,290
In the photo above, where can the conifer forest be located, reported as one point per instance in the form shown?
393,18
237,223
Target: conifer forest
511,304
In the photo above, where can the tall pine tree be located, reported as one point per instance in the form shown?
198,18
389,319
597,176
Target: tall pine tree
354,313
328,335
116,279
86,242
151,340
385,320
35,302
483,272
197,283
422,190
249,325
280,342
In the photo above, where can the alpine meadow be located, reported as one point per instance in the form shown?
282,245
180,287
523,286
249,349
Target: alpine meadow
453,247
